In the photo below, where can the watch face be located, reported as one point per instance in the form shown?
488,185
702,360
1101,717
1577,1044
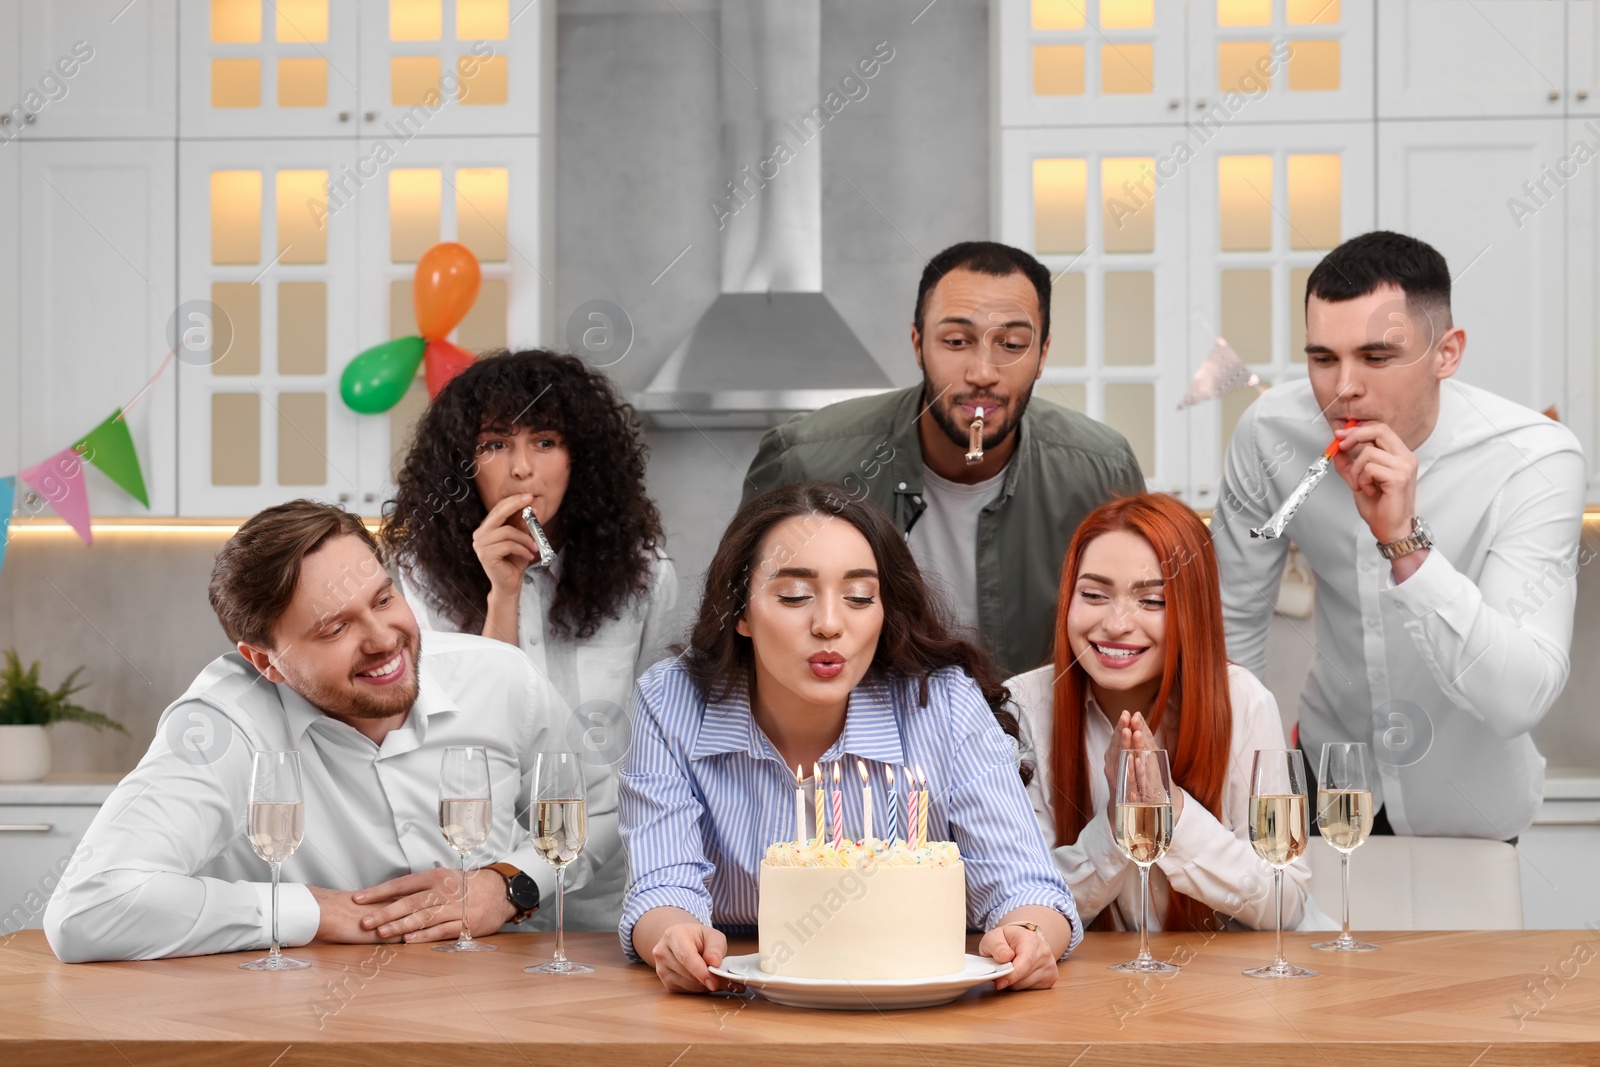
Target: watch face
524,891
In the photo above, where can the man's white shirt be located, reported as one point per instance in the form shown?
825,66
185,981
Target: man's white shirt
166,870
1447,672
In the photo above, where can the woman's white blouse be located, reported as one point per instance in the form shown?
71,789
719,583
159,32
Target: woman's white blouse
1210,860
595,676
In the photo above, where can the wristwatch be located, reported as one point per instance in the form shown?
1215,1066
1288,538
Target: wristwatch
522,891
1421,537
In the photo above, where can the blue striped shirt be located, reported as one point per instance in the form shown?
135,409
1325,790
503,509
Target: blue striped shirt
704,792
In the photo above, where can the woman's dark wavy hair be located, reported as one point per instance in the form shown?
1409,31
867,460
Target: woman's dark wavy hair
917,637
610,528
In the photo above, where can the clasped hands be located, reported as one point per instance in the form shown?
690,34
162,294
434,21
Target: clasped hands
1133,734
425,906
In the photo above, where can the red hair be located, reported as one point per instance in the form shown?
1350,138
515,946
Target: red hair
1195,668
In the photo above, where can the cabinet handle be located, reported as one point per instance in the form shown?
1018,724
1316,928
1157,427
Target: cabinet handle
26,828
370,116
1200,104
30,118
1583,94
5,120
1174,104
370,498
344,498
344,116
1555,94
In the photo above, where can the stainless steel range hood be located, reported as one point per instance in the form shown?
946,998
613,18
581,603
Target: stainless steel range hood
771,345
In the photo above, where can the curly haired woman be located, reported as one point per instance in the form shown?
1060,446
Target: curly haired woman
543,430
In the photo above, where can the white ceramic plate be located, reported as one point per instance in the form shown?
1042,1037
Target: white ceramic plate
864,995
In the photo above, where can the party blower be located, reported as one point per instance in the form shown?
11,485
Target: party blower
1315,473
547,555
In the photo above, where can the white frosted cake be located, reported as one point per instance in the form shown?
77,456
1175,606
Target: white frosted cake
859,913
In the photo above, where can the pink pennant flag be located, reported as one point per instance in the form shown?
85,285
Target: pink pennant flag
59,480
1222,371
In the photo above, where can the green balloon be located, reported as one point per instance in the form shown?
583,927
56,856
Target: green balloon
376,379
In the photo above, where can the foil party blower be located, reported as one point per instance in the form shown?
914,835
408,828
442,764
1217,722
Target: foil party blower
1315,473
975,439
547,555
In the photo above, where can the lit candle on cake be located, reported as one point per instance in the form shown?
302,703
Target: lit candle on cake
894,812
838,809
799,807
866,802
922,808
911,805
819,786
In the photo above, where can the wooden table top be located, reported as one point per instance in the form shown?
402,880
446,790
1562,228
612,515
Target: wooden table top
1475,999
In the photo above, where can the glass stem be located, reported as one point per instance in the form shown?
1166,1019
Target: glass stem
1144,912
1344,878
561,907
466,929
275,952
1277,891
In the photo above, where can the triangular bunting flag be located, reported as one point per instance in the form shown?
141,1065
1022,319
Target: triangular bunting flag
109,447
59,480
1221,372
8,493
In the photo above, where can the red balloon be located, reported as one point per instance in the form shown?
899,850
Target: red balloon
444,288
445,361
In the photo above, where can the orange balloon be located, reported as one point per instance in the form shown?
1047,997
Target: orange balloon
445,361
445,286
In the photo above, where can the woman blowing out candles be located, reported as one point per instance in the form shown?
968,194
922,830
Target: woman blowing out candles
1140,663
817,641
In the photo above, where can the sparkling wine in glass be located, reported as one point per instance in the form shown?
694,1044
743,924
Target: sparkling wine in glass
560,829
1278,832
1344,815
277,821
1143,831
464,814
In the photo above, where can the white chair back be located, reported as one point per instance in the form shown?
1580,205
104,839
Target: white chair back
1422,883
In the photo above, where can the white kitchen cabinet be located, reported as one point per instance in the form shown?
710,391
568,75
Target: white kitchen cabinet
1583,59
1561,858
459,67
1089,62
483,192
269,258
10,328
1487,58
1104,209
41,827
122,59
1455,185
94,300
254,69
1317,55
1266,203
1581,199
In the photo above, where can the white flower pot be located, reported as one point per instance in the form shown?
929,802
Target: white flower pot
24,753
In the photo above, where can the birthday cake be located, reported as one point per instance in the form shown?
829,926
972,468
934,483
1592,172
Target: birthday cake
863,910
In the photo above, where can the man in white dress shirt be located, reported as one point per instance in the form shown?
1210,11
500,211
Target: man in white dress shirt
1445,552
329,663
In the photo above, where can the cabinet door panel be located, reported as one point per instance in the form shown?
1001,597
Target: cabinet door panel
38,842
96,295
1445,59
99,68
1255,61
1465,189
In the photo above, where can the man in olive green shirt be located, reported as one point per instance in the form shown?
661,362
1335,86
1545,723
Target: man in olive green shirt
990,534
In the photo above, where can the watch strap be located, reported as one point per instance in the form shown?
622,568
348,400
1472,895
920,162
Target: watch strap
1417,541
508,872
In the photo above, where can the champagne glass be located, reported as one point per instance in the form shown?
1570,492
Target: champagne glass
464,814
560,828
1143,831
1278,832
277,822
1344,815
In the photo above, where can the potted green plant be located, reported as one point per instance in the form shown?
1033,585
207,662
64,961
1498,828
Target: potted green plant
26,708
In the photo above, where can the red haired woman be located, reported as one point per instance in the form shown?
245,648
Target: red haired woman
1140,663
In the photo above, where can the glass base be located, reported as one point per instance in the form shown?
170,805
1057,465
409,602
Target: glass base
1280,969
274,963
1345,943
466,946
560,967
1140,965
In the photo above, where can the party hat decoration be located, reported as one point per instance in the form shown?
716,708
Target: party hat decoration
1221,372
